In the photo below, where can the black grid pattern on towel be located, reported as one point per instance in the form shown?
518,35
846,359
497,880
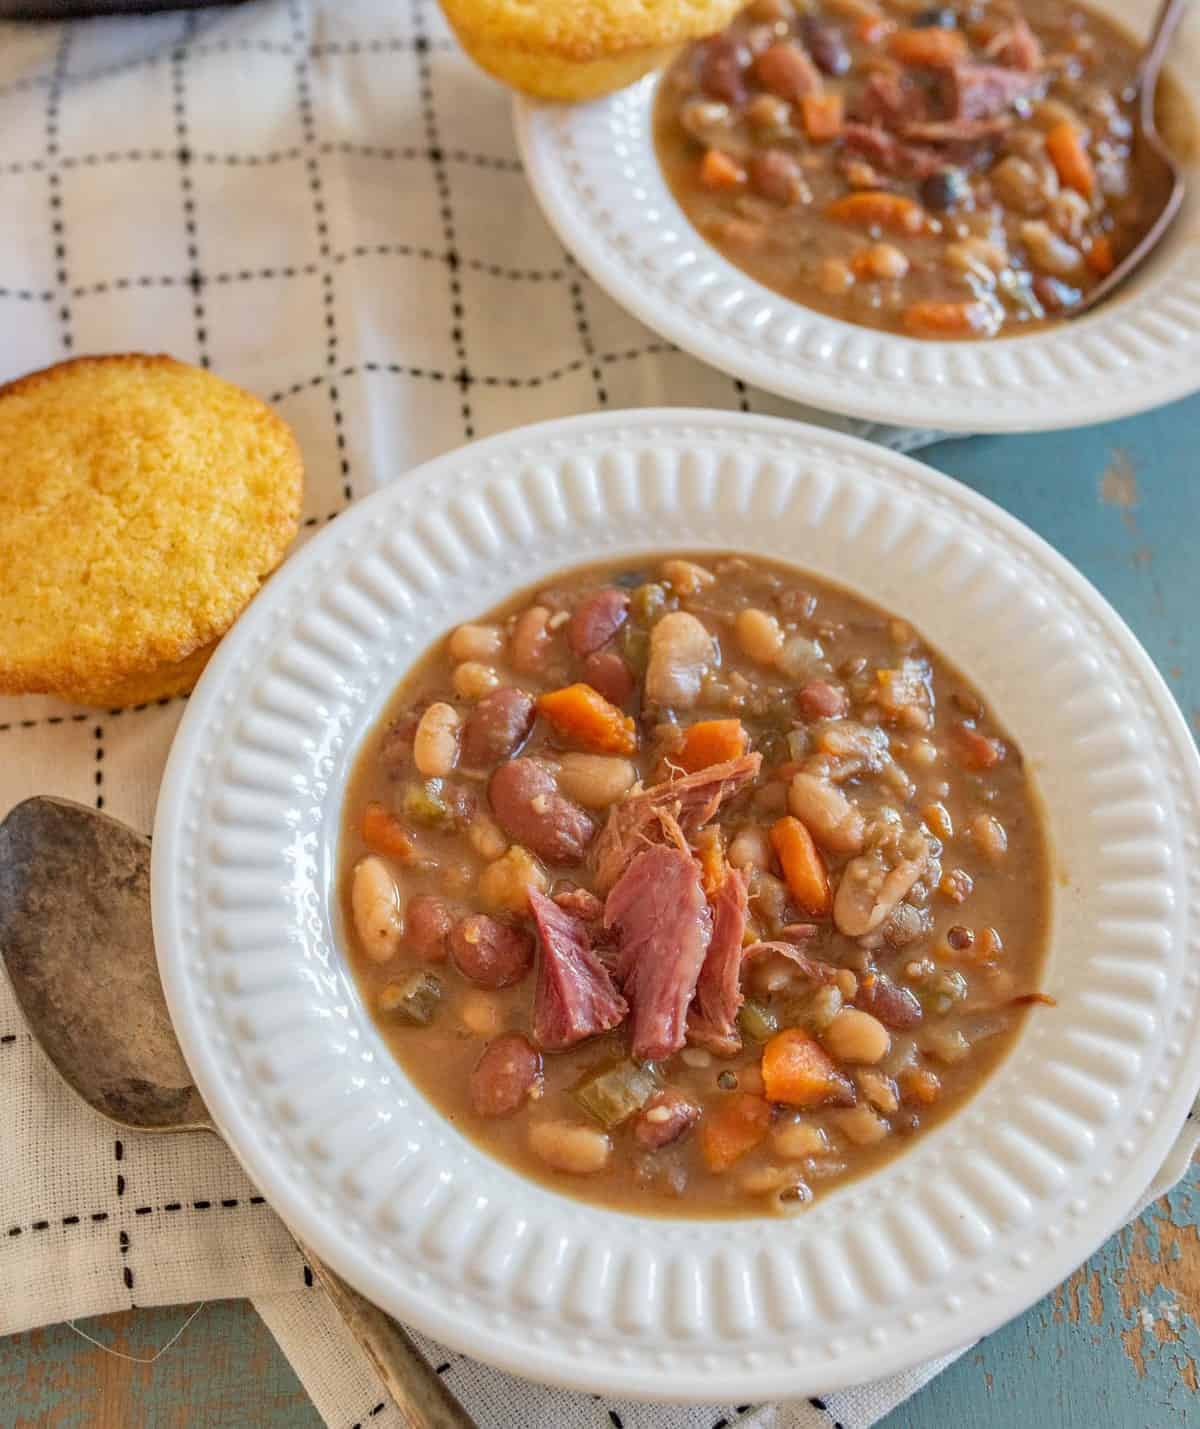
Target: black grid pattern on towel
414,201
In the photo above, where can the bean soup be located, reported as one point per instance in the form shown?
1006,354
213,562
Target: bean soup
693,884
946,171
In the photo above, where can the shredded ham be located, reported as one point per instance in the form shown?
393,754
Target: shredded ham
712,1021
574,997
664,926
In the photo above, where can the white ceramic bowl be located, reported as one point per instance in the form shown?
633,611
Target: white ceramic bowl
594,171
977,1220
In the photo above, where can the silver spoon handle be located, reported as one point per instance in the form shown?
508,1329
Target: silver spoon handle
423,1400
1169,15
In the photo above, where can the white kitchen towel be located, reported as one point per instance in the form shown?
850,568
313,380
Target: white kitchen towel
323,203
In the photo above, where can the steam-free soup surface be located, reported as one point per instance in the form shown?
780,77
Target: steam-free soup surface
691,884
945,171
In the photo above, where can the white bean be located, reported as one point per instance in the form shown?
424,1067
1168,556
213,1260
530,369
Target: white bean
435,744
473,680
826,813
759,635
681,652
750,849
796,1140
860,1125
375,906
567,1146
856,1036
595,780
476,642
869,890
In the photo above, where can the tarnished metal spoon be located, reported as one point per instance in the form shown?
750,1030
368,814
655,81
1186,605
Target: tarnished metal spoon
1150,151
76,938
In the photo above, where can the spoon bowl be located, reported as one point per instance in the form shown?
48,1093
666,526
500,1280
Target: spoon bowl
1151,152
78,943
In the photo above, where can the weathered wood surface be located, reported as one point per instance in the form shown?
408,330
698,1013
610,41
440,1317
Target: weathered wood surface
1118,1346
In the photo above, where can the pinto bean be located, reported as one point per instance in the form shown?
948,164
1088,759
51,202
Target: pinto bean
427,925
497,727
820,700
529,808
893,1005
507,1074
787,71
530,641
664,1119
596,619
607,672
490,953
775,175
826,45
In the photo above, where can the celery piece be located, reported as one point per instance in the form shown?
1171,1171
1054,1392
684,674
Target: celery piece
636,649
757,1022
613,1093
414,999
423,803
647,603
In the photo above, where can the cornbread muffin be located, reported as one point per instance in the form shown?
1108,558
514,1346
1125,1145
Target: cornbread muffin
142,504
579,49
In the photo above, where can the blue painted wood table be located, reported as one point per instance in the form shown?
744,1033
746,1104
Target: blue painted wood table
1118,1344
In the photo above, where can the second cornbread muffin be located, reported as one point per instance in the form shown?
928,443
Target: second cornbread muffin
579,49
142,504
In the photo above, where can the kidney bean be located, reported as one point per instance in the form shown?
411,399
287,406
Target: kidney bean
664,1119
607,672
825,44
506,1075
820,700
530,810
787,71
723,69
427,925
894,1006
596,619
775,175
490,953
497,727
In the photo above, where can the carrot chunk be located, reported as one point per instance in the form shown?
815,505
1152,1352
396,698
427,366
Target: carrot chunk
873,208
710,854
711,741
803,870
798,1071
383,833
918,1084
732,1128
1100,256
585,717
934,319
823,114
974,750
1064,144
719,171
931,48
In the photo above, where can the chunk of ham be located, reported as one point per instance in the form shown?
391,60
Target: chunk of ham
891,155
680,806
712,1021
975,91
664,926
574,997
890,100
